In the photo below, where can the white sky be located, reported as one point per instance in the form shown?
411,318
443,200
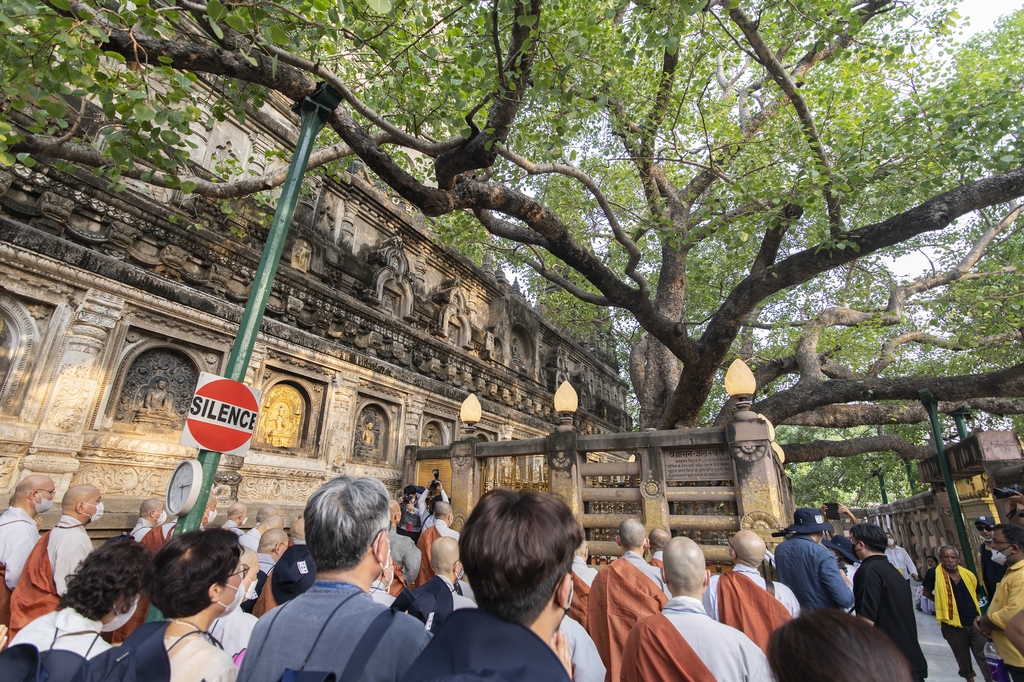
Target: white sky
978,15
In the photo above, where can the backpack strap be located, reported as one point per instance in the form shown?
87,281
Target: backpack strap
366,646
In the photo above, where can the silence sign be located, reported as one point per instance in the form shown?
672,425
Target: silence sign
222,415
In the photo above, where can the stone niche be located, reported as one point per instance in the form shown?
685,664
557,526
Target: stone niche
153,388
436,431
290,415
373,436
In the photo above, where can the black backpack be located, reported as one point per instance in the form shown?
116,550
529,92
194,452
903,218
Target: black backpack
140,658
26,663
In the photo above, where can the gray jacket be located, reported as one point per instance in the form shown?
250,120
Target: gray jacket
405,553
284,637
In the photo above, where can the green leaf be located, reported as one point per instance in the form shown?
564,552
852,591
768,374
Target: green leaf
187,187
215,10
63,5
379,6
143,112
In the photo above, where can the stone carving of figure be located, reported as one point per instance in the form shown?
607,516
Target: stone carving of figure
431,436
369,434
301,254
155,406
281,427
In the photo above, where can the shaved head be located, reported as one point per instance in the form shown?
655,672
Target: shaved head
271,538
685,567
582,550
84,494
237,511
396,511
659,537
442,510
153,504
30,483
211,502
748,547
265,512
298,529
250,559
273,521
632,535
443,555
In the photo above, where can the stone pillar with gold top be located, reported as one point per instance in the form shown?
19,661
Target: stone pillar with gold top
562,458
465,483
56,444
759,494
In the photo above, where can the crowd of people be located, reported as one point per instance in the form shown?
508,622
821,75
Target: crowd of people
363,587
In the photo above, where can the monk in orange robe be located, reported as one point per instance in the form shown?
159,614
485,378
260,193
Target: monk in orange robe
658,538
443,513
580,606
36,595
655,650
621,596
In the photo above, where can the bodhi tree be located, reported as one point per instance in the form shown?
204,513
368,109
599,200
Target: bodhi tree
723,178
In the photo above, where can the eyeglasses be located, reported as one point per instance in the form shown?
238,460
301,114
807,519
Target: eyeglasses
46,492
244,571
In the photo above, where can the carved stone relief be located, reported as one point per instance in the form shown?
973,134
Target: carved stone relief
156,391
371,436
283,410
123,479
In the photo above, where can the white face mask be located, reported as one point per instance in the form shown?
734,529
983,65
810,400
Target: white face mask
163,517
251,593
998,557
97,514
120,618
891,542
243,521
212,516
44,505
228,608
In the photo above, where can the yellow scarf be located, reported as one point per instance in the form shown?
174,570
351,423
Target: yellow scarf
945,604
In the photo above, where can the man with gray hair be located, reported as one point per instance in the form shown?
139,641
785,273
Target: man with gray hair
347,523
954,590
681,642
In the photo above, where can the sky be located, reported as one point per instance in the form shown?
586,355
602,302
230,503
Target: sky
978,15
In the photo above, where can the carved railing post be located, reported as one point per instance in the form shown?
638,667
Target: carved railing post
759,495
563,471
653,498
465,483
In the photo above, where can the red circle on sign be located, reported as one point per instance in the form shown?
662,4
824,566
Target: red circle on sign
218,437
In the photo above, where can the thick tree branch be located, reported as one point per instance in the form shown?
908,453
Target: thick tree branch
847,416
889,347
817,450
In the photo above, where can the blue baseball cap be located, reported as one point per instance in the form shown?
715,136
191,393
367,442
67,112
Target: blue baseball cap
984,521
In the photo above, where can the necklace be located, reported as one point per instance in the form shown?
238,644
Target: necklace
191,625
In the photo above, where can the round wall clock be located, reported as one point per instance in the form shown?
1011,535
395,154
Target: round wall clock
183,488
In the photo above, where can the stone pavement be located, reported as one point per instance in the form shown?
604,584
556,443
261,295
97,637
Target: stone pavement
941,664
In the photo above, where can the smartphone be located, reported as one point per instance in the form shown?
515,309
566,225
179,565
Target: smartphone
832,511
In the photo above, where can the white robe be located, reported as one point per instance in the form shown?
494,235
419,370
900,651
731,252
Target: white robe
69,545
74,632
582,571
782,593
18,535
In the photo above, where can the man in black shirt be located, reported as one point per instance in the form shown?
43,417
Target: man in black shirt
991,572
882,596
955,591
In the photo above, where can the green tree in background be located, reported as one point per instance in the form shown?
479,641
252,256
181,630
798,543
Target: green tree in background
688,181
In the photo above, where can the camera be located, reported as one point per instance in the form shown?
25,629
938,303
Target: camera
435,484
1009,491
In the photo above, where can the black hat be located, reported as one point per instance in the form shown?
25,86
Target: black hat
807,520
841,544
984,521
293,574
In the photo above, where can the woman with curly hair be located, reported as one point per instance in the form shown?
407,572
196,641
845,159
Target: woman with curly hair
102,595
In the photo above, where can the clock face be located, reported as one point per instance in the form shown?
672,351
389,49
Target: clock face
183,487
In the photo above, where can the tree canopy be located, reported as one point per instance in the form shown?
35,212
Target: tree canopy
705,180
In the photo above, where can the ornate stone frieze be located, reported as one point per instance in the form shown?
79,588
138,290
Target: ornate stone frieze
124,479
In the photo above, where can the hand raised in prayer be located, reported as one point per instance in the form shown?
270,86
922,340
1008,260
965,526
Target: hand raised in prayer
560,645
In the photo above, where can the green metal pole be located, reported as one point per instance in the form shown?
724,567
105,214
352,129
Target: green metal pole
315,110
911,479
947,478
960,417
881,485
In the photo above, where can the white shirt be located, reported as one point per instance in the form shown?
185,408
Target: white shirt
379,594
658,555
426,519
251,539
18,535
74,632
650,571
233,631
899,558
782,593
142,526
728,653
233,527
445,531
582,571
586,661
69,545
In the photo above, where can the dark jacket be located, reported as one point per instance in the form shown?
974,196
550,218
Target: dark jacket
883,596
812,572
444,605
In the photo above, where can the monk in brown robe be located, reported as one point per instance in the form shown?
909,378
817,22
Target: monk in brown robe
681,642
55,557
442,512
582,578
621,596
658,538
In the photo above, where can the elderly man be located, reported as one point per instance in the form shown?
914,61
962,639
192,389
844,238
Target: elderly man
743,599
1007,549
251,538
883,597
582,578
444,586
681,642
518,548
19,533
441,528
808,568
347,523
238,514
55,557
657,539
625,592
404,553
151,514
954,590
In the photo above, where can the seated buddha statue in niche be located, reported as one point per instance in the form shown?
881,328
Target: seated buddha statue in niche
281,426
155,406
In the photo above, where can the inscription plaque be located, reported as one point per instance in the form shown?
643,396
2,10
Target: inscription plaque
698,465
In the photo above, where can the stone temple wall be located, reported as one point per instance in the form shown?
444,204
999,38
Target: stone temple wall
112,302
